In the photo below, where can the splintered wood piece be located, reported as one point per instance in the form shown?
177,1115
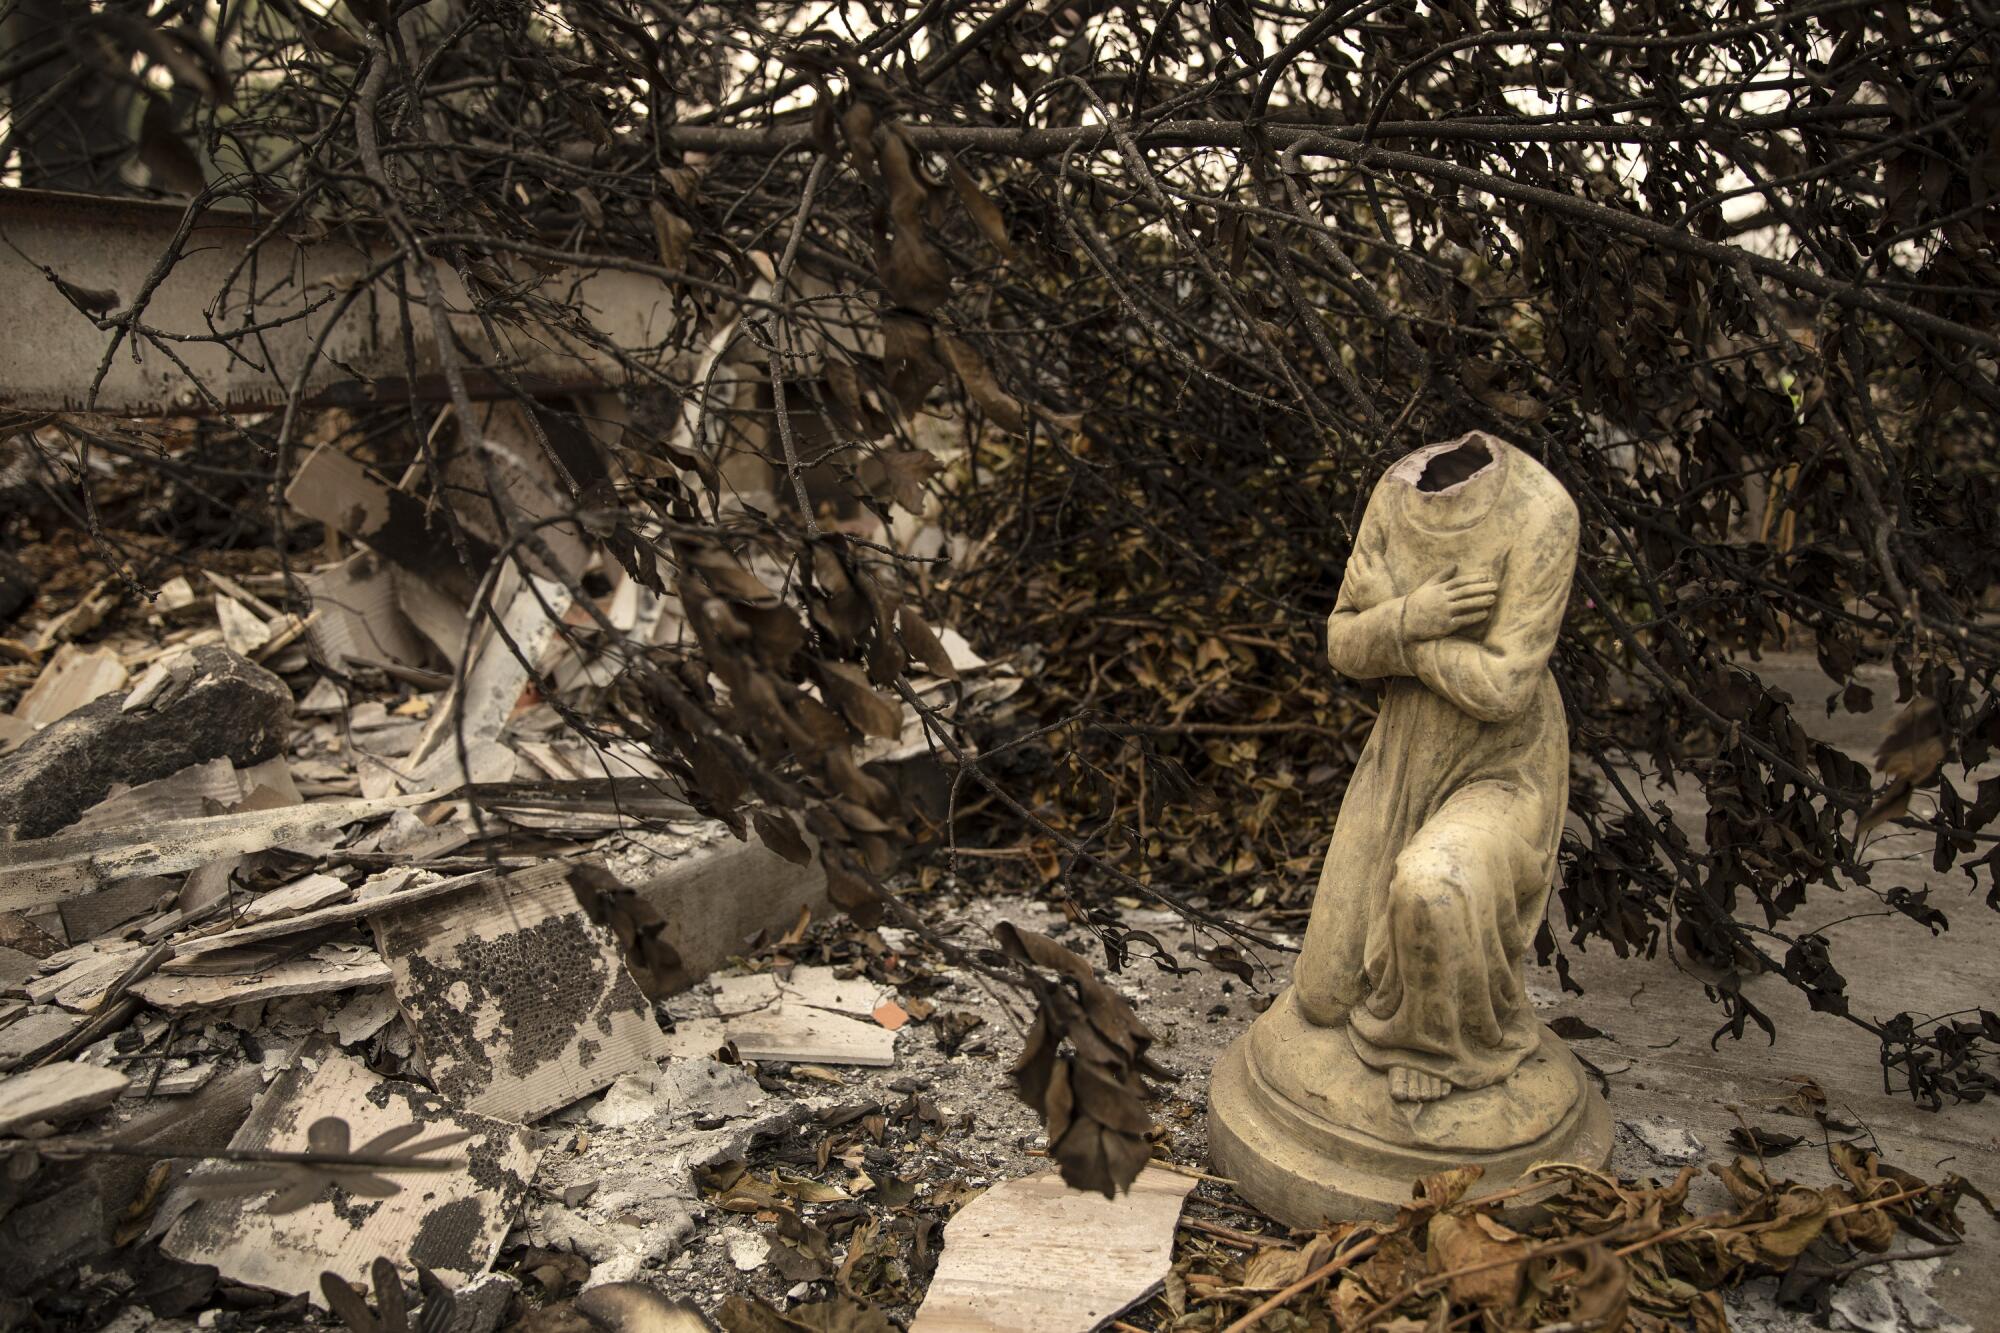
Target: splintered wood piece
40,871
314,974
73,677
1000,1250
296,898
354,911
519,1002
801,1032
451,1222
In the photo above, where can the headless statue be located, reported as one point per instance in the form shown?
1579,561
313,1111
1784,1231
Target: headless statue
1409,991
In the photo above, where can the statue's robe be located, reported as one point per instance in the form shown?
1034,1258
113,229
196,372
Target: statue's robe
1444,850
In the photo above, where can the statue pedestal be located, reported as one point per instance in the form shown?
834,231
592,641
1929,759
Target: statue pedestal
1309,1133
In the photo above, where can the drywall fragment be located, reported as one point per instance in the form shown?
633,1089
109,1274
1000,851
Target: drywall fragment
451,1222
242,631
519,1002
1002,1249
228,708
819,987
363,1016
479,710
34,1034
60,1091
805,1016
100,913
357,615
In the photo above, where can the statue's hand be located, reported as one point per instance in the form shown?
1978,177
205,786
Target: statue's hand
1450,602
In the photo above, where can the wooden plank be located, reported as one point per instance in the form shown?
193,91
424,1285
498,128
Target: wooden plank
1005,1251
324,970
519,1002
57,1092
800,1032
451,1222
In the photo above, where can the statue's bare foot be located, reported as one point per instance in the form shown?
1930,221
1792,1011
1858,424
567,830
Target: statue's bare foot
1414,1085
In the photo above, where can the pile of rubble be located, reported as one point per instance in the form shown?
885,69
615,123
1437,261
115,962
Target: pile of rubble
315,910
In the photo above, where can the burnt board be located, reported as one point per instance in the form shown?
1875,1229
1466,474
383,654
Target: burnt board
451,1222
519,1002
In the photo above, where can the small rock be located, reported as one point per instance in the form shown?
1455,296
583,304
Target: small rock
228,707
748,1251
628,1101
1670,1145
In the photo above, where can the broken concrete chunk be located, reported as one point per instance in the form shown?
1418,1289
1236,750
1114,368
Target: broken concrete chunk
1002,1250
451,1222
56,1092
228,708
520,1003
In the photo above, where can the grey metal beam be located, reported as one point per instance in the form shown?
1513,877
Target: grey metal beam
51,352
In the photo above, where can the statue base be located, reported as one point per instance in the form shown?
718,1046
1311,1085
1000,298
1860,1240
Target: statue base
1310,1134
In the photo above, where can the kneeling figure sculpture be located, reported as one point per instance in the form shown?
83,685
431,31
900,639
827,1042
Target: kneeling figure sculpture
1406,1043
